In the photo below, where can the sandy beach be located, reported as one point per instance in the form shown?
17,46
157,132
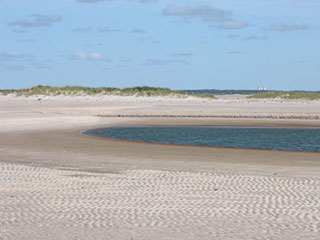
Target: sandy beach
58,184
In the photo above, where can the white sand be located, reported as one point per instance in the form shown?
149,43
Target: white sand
40,203
116,105
55,184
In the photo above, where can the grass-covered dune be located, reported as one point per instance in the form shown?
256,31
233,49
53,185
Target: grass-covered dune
287,95
82,91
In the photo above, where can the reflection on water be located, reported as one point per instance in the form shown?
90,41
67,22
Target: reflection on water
295,139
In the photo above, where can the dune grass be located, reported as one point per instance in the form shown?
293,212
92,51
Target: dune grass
82,91
287,95
54,91
210,96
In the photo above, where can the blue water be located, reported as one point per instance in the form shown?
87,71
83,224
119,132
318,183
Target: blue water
294,139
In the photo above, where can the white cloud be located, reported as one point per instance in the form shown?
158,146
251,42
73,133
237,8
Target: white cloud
15,55
161,62
205,13
39,65
233,25
80,55
17,60
284,27
107,29
217,17
96,56
16,68
38,21
254,37
232,36
184,54
19,31
83,29
138,31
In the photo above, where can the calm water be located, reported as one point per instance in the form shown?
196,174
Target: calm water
295,139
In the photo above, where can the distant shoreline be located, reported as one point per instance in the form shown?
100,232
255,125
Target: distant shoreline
139,91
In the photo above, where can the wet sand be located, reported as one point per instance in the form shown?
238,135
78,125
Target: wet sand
57,184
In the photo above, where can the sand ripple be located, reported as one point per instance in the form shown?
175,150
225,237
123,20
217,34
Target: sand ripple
41,203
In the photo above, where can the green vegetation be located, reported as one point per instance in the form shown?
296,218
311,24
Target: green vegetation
53,91
287,95
206,95
150,91
81,91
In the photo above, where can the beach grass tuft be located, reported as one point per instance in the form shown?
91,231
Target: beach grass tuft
287,95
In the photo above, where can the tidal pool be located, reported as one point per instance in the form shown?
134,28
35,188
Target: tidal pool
271,138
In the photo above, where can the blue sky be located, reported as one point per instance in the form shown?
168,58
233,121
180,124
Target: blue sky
222,44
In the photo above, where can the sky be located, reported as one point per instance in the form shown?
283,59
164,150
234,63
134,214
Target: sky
180,44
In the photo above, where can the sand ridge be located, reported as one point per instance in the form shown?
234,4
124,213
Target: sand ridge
161,106
182,204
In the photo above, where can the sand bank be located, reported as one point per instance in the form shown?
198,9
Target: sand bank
56,184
